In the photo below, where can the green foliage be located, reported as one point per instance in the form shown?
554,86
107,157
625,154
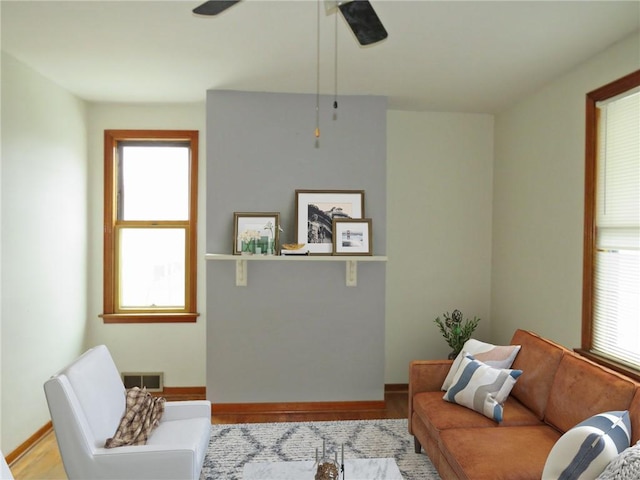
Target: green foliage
454,331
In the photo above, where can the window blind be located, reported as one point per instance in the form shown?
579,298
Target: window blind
616,322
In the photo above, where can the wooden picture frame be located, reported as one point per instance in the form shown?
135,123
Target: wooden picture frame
256,233
315,212
352,237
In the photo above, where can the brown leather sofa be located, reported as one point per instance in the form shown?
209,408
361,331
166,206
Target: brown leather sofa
557,390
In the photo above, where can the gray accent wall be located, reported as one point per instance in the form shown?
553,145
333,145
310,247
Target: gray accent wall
295,333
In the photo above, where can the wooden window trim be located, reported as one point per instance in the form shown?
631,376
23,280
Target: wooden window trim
607,362
109,315
610,90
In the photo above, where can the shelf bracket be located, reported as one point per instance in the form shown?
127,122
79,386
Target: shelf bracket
352,273
241,273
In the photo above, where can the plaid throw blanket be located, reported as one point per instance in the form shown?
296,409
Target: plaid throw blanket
143,413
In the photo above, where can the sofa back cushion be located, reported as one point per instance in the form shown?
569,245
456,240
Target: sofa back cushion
582,389
538,359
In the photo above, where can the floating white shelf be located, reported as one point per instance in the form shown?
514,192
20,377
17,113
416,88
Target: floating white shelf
351,263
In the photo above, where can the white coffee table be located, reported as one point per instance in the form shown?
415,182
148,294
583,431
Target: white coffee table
357,469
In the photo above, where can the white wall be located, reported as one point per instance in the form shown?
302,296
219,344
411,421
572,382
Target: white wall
44,243
439,194
538,202
178,350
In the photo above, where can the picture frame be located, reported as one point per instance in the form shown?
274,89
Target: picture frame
256,233
315,212
352,237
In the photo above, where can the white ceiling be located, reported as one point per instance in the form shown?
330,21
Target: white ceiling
471,56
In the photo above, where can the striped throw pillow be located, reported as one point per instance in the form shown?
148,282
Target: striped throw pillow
585,451
481,387
625,466
497,356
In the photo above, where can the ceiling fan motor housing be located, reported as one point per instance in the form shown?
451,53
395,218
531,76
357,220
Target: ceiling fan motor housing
359,15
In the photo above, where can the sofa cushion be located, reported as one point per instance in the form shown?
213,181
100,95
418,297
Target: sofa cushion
481,387
582,389
538,359
495,356
584,451
191,434
438,415
513,453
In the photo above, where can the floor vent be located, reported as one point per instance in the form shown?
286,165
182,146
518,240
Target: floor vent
153,381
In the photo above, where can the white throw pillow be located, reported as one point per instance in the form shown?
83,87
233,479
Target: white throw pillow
492,355
481,387
584,451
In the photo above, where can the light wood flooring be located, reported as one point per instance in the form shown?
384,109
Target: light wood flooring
43,462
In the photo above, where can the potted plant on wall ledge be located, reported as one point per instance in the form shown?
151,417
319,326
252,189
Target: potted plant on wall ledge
455,332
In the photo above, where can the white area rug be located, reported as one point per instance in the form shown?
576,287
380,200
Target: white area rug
232,446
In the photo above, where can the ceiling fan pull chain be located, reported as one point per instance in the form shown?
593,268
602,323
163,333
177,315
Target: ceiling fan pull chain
335,67
317,131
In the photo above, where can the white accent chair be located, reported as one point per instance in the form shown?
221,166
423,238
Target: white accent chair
87,401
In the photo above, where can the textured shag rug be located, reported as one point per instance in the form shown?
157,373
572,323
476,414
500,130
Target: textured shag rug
233,446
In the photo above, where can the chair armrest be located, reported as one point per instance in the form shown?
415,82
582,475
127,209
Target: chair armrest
426,376
186,409
148,461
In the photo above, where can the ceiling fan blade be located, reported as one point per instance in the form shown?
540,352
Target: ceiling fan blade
214,7
363,20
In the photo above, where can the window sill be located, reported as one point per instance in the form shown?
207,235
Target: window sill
607,362
149,317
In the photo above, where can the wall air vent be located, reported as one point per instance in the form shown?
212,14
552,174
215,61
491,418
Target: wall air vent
153,381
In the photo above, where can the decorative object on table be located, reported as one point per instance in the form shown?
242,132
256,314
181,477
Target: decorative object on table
352,237
256,233
328,468
455,332
315,212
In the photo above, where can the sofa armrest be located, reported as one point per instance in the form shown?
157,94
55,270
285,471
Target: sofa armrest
426,376
183,410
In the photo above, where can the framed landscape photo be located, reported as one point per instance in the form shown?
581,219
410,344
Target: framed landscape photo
352,237
317,209
256,233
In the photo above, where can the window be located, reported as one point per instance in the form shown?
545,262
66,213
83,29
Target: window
150,212
611,284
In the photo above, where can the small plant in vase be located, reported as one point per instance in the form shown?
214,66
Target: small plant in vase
272,238
455,332
249,240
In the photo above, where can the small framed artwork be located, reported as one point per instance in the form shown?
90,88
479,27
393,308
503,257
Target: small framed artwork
317,209
352,237
256,233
